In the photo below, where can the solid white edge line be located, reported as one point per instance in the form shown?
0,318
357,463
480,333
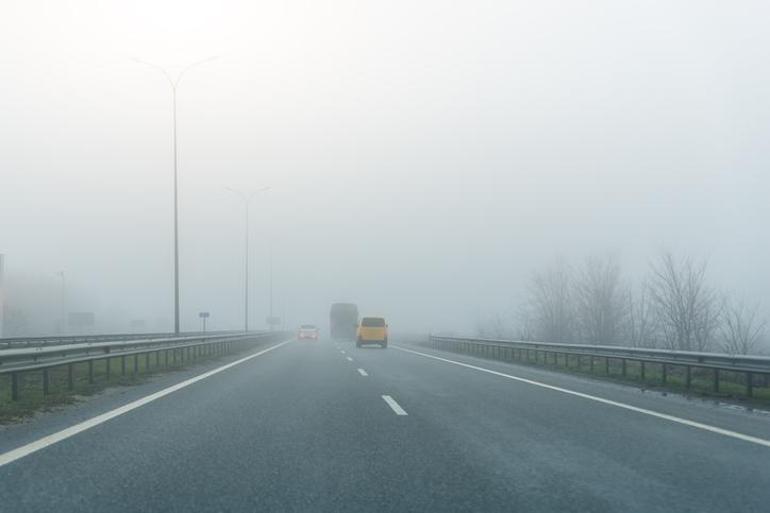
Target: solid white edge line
349,358
664,416
42,443
394,405
362,372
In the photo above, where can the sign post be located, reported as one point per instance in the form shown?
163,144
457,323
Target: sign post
204,316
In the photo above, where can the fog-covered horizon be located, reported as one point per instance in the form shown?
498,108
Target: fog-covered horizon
423,159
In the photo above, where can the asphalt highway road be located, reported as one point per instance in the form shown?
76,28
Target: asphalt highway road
324,426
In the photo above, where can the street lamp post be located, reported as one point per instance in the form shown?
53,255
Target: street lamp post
63,302
174,83
272,318
246,198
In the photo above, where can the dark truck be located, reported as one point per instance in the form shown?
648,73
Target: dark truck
343,321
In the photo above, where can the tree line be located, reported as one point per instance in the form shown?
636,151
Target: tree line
674,307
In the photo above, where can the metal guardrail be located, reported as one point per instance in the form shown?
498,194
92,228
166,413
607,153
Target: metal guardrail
510,350
15,362
13,342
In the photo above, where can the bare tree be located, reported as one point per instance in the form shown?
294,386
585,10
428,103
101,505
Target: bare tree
495,326
687,309
742,329
525,325
551,302
601,301
641,327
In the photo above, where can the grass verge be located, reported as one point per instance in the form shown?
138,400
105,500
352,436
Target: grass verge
120,371
732,385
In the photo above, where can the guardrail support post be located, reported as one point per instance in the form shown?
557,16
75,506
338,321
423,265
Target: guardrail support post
623,363
90,372
688,377
136,364
607,365
591,364
663,373
122,365
641,370
108,367
750,384
70,380
147,362
45,381
14,386
716,380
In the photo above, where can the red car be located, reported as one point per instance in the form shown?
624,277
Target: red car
307,332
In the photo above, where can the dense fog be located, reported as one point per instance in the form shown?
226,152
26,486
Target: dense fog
426,160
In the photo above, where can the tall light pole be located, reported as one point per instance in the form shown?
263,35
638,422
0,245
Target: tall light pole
271,286
174,83
63,302
246,197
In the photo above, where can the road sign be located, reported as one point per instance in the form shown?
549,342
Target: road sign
204,316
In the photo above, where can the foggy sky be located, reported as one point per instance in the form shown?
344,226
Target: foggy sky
424,157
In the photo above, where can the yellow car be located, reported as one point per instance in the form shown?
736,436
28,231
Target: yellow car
372,330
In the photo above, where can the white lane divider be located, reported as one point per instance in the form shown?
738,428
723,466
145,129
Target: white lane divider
42,443
664,416
350,359
394,405
362,372
342,351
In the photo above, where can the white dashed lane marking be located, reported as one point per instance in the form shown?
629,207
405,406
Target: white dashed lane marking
394,405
